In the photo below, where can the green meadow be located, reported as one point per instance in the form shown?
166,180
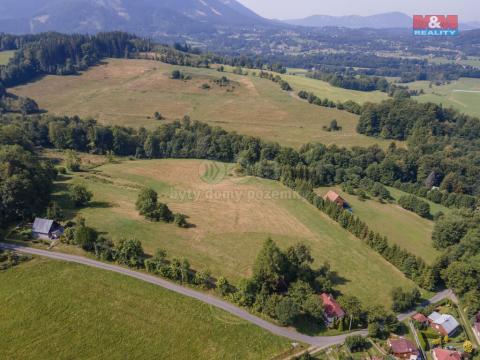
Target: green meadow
230,221
462,94
129,92
56,310
5,56
403,227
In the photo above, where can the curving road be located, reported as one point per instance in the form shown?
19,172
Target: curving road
317,341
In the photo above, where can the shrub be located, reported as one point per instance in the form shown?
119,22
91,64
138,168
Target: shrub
356,343
286,311
180,220
79,195
129,252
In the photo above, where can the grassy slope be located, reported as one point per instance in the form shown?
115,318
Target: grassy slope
325,90
5,56
467,102
128,92
51,309
434,208
402,227
232,219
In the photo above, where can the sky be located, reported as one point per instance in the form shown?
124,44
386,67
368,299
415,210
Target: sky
468,10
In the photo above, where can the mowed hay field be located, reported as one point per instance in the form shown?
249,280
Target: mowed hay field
463,94
403,227
128,92
5,57
57,310
231,220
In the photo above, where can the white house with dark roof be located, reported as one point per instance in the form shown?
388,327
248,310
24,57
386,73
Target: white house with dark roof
46,229
445,324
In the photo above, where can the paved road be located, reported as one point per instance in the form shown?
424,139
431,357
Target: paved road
317,341
437,298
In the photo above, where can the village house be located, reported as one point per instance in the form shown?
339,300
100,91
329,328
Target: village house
421,319
444,354
403,349
445,324
333,310
46,229
332,196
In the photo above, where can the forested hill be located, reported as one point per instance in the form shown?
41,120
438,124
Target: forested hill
59,54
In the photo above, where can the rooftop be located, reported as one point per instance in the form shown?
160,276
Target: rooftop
420,318
332,196
402,346
444,354
42,226
331,307
448,322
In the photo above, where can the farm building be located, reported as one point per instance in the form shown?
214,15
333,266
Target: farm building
333,310
332,196
444,354
403,349
445,324
46,229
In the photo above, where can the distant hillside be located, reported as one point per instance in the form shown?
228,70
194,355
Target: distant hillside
143,17
380,21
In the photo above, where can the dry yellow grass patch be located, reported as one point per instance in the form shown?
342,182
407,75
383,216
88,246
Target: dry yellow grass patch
129,92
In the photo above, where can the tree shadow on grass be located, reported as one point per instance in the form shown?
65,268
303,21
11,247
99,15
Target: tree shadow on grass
337,279
307,325
99,205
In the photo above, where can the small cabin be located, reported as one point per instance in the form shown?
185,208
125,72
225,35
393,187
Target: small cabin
46,229
332,196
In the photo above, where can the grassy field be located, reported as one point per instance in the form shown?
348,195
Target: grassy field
463,94
128,92
471,61
5,57
325,90
56,310
231,219
402,227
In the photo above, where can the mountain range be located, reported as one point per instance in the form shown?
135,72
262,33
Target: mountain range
144,17
390,20
157,18
379,21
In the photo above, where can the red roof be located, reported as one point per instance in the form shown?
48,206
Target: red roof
331,307
420,318
444,354
332,196
402,346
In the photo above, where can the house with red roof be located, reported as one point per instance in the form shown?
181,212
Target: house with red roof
444,354
332,196
403,348
333,311
420,318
